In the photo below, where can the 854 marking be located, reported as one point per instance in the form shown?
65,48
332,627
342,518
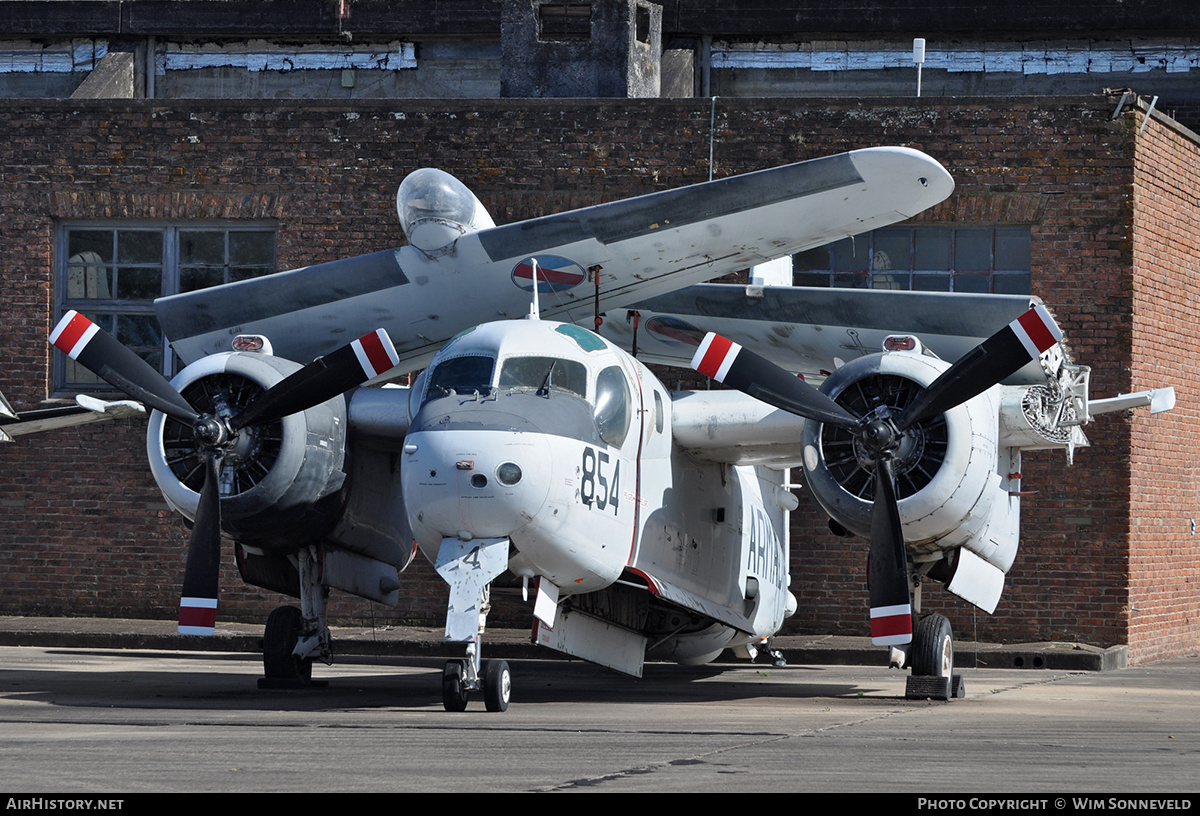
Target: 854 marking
599,486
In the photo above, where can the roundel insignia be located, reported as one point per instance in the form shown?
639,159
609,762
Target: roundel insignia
554,274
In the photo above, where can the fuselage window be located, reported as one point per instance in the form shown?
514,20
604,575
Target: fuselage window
543,374
612,405
463,375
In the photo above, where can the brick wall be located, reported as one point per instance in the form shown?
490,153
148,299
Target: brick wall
1164,585
84,531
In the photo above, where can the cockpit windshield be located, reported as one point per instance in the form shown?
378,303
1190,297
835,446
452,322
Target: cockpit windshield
463,375
544,374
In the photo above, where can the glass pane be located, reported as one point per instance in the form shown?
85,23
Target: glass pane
202,248
252,249
885,281
893,250
89,246
818,258
931,283
1013,249
199,277
138,284
239,273
535,372
464,375
972,283
973,250
139,247
1015,284
849,281
852,253
932,249
89,282
810,279
139,332
612,406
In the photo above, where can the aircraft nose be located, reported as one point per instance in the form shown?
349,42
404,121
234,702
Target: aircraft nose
475,484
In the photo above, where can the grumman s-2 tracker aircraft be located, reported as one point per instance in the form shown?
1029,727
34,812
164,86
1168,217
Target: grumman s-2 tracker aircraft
645,523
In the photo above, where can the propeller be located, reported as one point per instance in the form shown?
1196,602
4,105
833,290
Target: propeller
323,379
880,433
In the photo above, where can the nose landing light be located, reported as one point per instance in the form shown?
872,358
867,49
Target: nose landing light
509,473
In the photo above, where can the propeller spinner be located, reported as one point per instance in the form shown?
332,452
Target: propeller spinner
881,433
216,436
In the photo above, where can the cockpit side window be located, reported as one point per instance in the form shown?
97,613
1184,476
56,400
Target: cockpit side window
612,405
464,375
548,373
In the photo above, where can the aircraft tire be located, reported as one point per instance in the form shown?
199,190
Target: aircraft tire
497,685
933,648
454,688
284,625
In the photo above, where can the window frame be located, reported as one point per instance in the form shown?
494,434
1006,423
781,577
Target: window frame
839,274
170,264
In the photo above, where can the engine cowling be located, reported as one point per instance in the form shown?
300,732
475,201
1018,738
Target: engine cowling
281,482
947,483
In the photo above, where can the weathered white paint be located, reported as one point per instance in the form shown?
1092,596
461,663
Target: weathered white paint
260,55
68,56
1035,57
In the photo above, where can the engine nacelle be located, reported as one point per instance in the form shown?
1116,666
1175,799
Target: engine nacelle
281,482
947,482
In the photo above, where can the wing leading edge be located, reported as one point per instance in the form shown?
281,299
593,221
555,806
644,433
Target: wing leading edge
640,248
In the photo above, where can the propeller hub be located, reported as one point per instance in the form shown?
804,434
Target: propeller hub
210,431
878,436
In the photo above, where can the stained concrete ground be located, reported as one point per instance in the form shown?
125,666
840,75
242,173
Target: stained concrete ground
402,641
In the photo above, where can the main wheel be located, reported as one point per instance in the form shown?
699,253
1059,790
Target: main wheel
284,626
933,648
497,685
454,689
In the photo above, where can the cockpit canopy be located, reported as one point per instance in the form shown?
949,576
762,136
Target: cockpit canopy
436,209
474,372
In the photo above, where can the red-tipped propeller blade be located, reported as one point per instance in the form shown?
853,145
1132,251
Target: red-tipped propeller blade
323,379
102,354
729,363
201,577
996,358
887,568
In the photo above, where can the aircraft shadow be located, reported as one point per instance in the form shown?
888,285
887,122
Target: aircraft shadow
398,683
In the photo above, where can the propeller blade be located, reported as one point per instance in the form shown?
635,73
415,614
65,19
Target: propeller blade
727,362
996,358
103,355
887,569
323,379
198,605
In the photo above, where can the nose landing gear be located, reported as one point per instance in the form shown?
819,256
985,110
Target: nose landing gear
469,568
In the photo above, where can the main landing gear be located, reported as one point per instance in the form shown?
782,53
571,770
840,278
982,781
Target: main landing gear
293,637
932,658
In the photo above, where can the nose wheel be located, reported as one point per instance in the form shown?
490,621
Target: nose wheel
459,679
